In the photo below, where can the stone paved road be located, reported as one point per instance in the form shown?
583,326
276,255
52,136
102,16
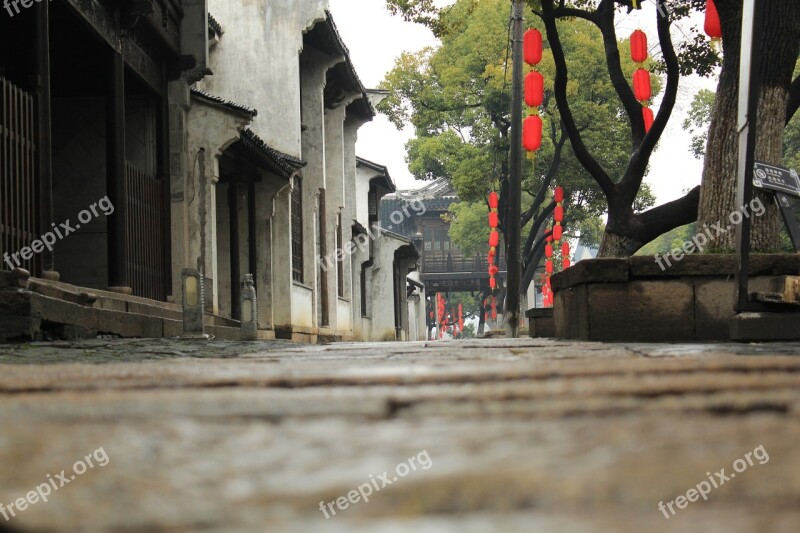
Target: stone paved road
527,435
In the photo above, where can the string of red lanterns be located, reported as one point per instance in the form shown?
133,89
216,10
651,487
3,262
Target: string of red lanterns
642,83
534,92
555,236
494,237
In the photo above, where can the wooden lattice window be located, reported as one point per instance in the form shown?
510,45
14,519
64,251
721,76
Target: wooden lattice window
297,229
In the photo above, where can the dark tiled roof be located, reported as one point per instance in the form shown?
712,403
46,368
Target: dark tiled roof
282,164
360,161
214,26
232,106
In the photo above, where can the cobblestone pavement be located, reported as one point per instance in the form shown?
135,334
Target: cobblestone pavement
523,435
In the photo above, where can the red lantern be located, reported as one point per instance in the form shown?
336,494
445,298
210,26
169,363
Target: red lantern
493,283
431,314
557,233
558,195
649,118
532,133
558,214
494,314
565,249
642,87
548,250
490,259
494,238
494,200
532,45
548,266
493,270
712,24
549,284
549,238
534,89
494,219
565,262
639,46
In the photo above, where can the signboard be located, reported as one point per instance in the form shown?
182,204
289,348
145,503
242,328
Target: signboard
778,179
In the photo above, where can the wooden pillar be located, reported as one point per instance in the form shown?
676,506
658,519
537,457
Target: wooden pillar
45,185
115,175
236,275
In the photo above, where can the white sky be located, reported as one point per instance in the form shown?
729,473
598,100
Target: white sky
375,38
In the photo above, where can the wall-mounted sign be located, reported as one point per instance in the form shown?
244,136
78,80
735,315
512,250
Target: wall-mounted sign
778,179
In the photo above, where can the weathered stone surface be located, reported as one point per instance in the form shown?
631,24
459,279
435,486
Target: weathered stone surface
521,435
760,327
641,311
714,265
591,271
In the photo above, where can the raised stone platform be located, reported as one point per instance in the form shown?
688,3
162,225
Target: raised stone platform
635,300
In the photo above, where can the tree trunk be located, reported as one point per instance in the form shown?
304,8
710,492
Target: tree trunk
718,194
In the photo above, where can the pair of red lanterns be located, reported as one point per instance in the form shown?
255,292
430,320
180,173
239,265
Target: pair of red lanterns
486,304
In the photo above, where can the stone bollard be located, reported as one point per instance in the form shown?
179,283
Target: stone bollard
249,323
193,296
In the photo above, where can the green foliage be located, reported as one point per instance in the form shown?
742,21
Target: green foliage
469,331
457,98
468,226
698,120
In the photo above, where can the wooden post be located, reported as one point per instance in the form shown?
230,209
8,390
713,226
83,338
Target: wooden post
115,175
45,185
515,182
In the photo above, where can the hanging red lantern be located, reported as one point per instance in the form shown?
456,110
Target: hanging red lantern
642,86
549,285
534,89
558,214
639,46
494,219
548,266
494,200
548,250
565,262
557,233
649,118
490,259
493,283
565,249
494,238
532,133
712,25
532,46
558,194
549,238
431,314
493,270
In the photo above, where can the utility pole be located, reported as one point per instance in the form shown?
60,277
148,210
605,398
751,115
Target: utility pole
515,181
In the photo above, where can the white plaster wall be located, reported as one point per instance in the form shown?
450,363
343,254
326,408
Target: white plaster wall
256,62
301,306
363,175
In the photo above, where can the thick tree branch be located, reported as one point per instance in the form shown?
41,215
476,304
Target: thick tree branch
560,88
794,100
666,217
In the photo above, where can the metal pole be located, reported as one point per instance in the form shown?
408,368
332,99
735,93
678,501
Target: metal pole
749,91
515,181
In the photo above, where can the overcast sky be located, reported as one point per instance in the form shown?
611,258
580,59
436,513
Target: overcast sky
375,38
